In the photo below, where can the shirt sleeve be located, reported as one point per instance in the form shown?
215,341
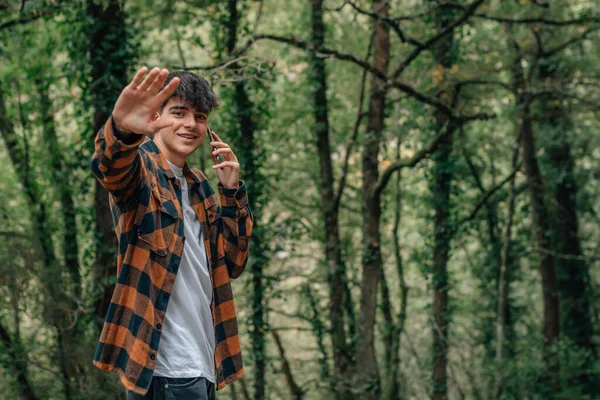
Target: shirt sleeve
237,229
116,164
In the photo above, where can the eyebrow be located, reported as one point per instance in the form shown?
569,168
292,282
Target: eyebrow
178,108
184,108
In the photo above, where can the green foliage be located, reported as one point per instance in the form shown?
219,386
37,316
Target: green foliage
46,46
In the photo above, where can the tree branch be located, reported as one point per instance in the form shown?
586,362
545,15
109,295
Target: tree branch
392,23
485,82
415,53
325,52
322,52
295,390
525,21
359,115
487,195
423,98
541,20
32,15
571,41
425,152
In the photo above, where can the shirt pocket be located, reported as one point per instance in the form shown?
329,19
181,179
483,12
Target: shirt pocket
213,211
157,223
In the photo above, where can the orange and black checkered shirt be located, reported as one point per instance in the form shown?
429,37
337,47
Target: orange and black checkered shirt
148,220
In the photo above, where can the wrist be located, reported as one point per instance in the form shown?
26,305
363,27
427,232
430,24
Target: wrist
119,126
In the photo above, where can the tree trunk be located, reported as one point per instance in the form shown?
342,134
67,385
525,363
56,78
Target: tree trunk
541,227
68,337
489,272
333,252
319,331
504,331
393,389
388,333
540,224
13,349
367,371
296,391
250,164
441,195
60,176
109,60
572,269
57,313
442,177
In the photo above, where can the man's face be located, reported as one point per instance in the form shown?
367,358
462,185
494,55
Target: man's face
182,138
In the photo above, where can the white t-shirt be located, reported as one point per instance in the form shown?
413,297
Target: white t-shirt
187,345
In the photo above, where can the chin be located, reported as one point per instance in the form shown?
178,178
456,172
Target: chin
187,151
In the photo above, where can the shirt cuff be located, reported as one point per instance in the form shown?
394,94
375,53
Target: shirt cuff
113,136
232,197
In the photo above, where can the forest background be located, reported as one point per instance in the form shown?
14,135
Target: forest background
424,175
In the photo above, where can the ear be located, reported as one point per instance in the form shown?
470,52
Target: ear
156,116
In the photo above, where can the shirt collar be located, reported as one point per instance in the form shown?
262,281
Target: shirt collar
193,176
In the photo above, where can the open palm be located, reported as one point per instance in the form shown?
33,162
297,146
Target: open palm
138,104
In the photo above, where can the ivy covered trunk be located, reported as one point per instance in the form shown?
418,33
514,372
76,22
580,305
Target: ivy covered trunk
541,229
367,372
571,267
250,163
445,54
110,59
333,251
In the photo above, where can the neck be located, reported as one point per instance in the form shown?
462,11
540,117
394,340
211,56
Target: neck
169,155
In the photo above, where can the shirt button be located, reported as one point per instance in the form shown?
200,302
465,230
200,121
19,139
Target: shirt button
152,356
158,326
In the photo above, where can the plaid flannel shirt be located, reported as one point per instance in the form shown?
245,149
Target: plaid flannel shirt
145,200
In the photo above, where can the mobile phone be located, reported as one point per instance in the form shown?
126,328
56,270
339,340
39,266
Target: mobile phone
213,139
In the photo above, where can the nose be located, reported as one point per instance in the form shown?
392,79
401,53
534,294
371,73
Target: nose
190,121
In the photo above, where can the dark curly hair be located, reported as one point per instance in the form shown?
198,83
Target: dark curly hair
194,91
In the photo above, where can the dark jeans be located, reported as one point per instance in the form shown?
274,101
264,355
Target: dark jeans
162,388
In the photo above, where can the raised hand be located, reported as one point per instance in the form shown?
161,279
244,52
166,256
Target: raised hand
228,171
138,104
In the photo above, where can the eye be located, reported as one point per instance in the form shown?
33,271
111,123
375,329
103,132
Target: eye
200,117
178,113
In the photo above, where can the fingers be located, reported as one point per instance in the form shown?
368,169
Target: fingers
223,150
221,145
149,80
214,134
168,91
231,164
159,82
226,151
137,79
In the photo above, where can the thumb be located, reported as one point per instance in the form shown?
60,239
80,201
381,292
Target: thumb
161,123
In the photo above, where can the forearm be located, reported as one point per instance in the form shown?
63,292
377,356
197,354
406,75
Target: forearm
116,161
237,227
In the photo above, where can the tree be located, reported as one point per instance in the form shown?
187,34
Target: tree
110,57
336,275
366,359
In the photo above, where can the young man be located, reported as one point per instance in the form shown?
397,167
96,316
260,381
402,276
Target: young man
170,224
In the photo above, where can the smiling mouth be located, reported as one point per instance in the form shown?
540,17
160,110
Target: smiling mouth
187,136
